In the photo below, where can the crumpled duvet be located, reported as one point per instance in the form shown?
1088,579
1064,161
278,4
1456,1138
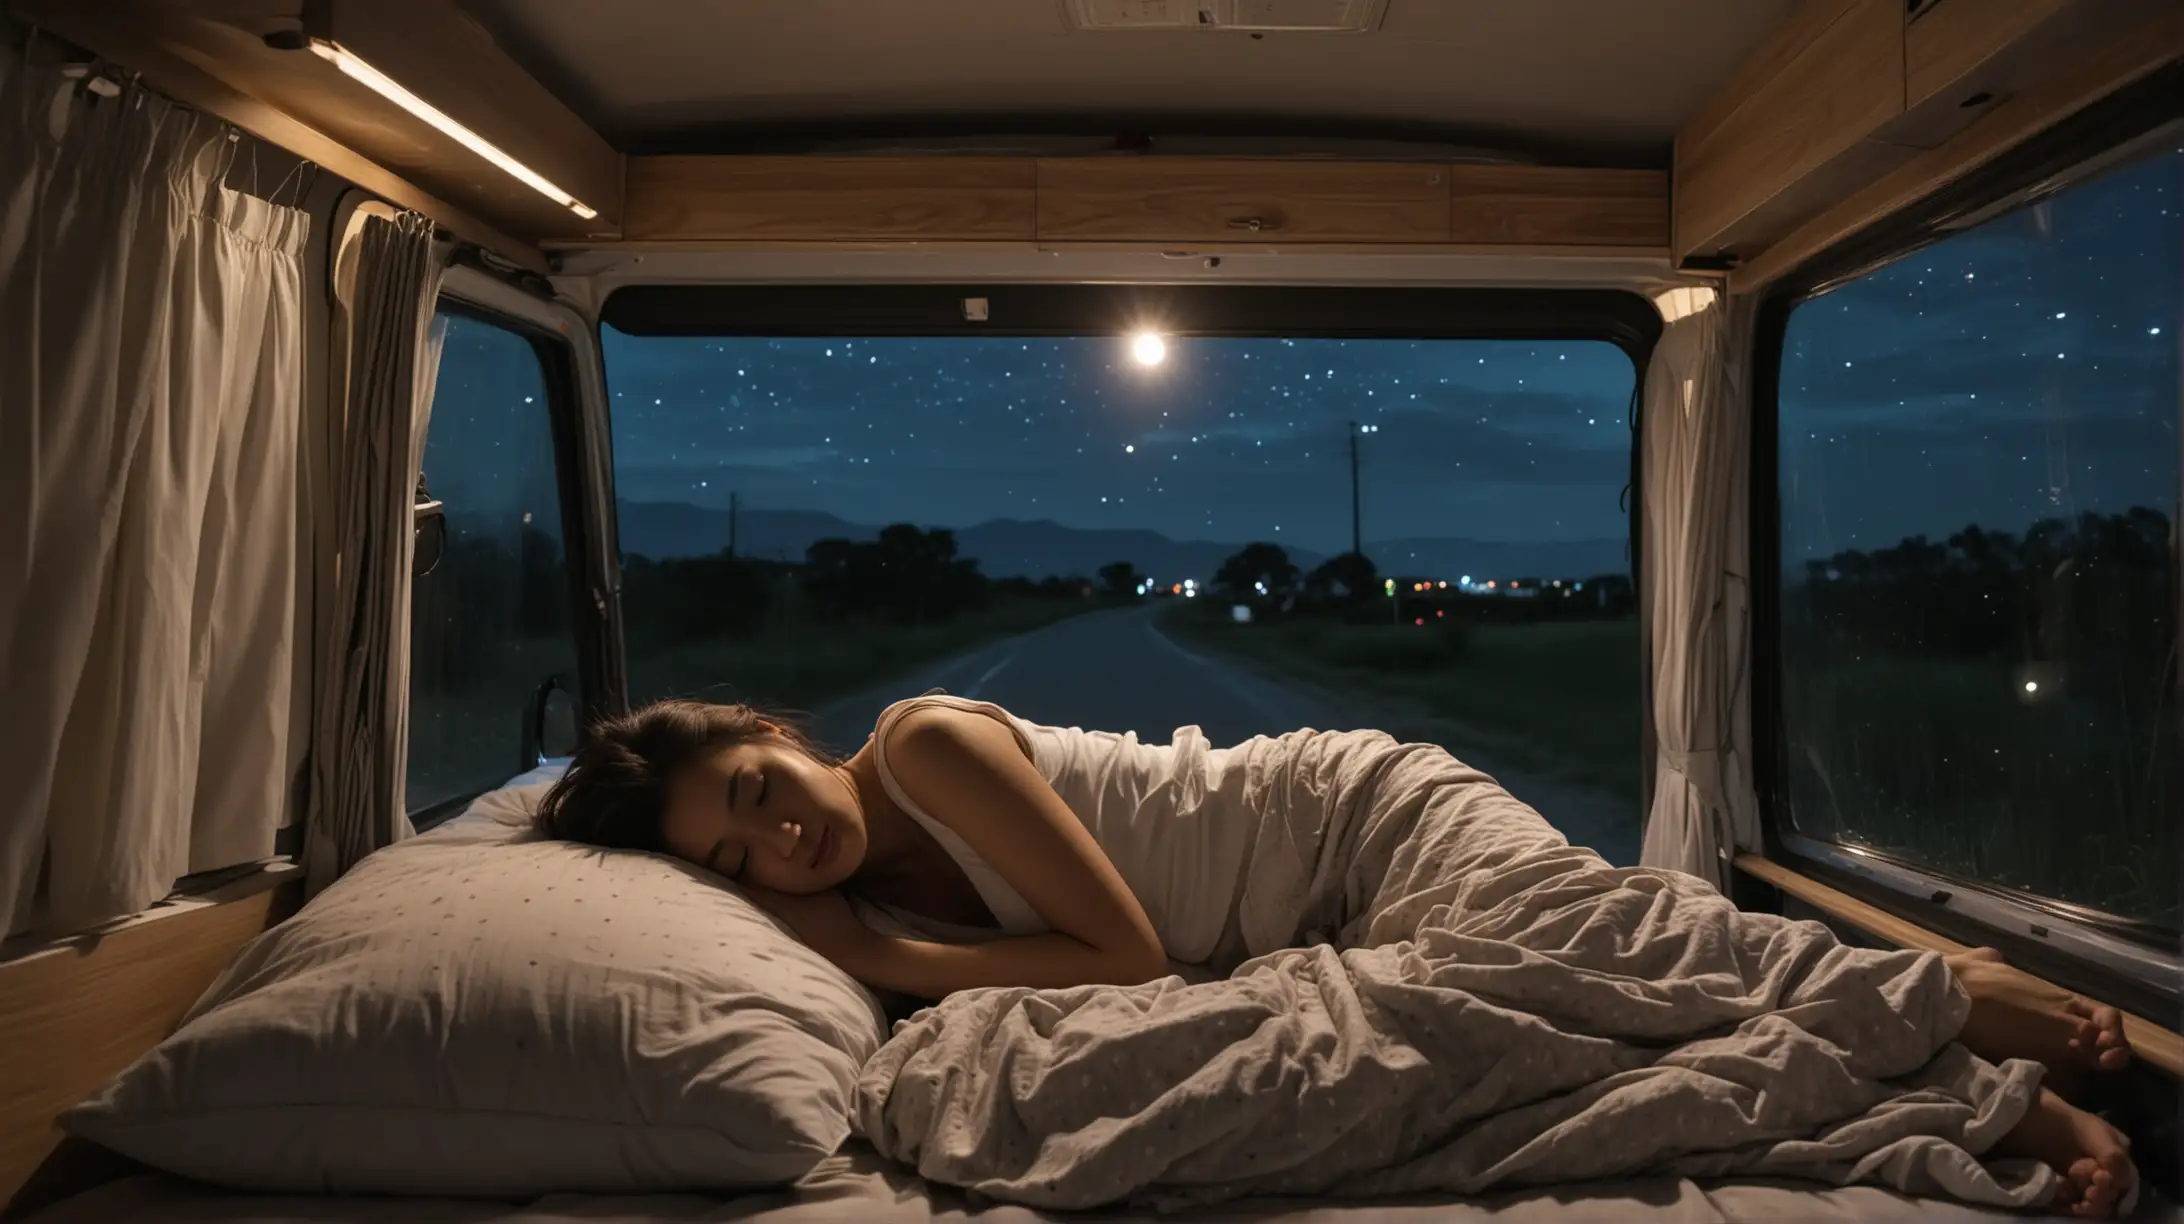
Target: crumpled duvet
1445,996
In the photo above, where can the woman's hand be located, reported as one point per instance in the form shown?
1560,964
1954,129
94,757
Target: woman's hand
822,920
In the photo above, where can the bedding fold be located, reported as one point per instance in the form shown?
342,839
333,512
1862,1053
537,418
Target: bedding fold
1444,995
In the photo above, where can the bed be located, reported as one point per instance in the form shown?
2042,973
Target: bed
856,1184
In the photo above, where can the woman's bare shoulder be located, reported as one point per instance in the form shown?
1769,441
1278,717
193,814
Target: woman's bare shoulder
940,725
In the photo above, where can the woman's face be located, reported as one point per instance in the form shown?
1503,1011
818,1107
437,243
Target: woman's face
764,813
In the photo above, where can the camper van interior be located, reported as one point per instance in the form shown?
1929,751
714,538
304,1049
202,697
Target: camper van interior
1269,610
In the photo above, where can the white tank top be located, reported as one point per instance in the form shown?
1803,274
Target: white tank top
1169,816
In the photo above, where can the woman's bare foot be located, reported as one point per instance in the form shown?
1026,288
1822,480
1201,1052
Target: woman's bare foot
2092,1157
2016,1015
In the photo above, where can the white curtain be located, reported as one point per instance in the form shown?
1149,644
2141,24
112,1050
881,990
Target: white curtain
150,379
1697,432
360,729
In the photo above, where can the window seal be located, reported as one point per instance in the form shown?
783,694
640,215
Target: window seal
2024,924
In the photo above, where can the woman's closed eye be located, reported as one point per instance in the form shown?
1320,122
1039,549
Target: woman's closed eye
734,784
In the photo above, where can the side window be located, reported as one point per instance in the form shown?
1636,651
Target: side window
1978,475
490,619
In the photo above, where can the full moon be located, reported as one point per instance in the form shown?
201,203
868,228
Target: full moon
1149,348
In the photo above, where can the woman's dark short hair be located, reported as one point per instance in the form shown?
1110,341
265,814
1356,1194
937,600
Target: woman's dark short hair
614,794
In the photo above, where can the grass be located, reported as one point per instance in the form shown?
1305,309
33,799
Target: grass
2073,795
798,663
1558,698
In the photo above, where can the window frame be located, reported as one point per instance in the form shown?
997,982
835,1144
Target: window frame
474,295
2125,961
1628,320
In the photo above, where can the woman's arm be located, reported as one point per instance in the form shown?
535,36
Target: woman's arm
1053,960
825,922
967,771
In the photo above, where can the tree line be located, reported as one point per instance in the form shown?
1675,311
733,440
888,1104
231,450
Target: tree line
2105,584
494,586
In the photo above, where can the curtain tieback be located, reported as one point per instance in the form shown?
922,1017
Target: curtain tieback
1696,764
1701,769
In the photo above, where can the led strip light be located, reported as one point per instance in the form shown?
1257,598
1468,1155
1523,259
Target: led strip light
387,87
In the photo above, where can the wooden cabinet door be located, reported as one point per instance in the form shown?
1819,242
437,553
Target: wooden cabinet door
1240,200
828,199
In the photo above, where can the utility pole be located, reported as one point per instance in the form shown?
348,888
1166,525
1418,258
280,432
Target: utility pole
733,500
1356,540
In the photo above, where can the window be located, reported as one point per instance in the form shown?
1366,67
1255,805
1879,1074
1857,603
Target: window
490,622
1139,532
1978,485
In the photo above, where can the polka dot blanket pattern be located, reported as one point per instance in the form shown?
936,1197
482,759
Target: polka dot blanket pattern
1445,996
478,1012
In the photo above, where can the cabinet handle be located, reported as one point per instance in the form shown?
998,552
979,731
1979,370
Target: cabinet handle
1254,224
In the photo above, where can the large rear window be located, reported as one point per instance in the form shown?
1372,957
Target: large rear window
1135,532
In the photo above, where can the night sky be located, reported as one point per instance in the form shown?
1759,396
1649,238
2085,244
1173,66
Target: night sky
1228,440
2023,370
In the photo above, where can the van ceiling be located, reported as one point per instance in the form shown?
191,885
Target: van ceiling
1601,80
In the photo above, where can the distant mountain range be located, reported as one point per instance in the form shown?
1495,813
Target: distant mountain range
1011,547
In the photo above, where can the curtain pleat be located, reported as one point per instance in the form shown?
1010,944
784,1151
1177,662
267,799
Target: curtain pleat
149,394
360,735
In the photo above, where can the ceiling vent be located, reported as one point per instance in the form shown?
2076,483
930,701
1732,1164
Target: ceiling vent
1237,16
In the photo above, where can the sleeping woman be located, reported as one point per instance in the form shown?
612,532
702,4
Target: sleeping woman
1038,856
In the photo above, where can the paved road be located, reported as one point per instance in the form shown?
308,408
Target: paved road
1116,671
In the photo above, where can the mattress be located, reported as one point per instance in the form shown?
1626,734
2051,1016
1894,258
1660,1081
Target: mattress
857,1185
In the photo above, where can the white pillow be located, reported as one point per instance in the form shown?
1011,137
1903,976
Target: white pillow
477,1011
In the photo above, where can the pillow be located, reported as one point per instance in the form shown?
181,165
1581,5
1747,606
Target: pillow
478,1011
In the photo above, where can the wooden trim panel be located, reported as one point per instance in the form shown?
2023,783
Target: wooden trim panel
77,1014
830,199
2158,1047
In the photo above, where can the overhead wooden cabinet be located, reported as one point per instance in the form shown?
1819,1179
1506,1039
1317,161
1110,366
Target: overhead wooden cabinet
829,199
1846,93
1961,57
1214,200
1793,119
1557,206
